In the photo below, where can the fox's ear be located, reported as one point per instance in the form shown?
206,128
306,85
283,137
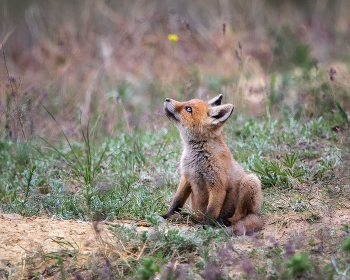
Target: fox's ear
216,101
220,113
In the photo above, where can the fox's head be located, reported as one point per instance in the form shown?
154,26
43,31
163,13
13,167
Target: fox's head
196,119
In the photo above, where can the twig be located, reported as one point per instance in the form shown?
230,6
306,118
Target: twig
7,36
13,91
337,270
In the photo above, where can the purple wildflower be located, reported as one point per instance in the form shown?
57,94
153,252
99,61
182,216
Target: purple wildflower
173,270
211,272
225,256
273,241
290,251
247,266
332,73
78,276
105,272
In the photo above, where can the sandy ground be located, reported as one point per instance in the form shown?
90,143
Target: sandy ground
20,236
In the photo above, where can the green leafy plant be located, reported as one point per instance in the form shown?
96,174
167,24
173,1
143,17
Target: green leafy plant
148,269
84,159
346,245
298,264
276,174
29,183
342,112
290,51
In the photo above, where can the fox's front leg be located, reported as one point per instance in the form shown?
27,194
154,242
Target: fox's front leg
215,202
181,195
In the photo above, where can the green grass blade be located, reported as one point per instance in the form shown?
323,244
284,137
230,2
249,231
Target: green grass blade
65,136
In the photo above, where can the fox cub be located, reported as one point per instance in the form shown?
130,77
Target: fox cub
220,189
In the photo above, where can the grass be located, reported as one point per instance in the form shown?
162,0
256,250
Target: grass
134,177
83,137
119,177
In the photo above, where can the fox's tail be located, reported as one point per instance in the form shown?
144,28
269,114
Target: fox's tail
248,225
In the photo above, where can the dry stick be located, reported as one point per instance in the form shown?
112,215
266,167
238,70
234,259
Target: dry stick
338,271
7,36
141,252
126,261
6,68
14,91
8,97
226,66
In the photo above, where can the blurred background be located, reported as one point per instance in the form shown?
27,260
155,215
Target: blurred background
115,61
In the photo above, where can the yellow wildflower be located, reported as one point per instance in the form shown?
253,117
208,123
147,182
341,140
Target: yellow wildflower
173,38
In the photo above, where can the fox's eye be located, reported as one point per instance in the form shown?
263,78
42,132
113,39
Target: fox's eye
188,109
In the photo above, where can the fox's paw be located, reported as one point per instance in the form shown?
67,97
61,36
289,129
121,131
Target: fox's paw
223,222
208,222
166,216
174,216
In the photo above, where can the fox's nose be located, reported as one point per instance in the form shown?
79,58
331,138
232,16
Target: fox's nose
167,99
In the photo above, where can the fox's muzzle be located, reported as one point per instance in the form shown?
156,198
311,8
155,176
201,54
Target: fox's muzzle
170,110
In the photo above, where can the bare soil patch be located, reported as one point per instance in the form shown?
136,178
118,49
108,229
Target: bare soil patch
20,237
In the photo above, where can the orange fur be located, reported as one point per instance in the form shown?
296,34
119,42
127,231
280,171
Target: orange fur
220,190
